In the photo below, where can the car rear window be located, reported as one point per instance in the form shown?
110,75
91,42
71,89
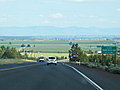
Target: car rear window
41,57
51,57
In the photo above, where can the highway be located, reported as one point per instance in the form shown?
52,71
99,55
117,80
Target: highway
39,76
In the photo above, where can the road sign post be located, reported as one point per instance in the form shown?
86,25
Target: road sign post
109,50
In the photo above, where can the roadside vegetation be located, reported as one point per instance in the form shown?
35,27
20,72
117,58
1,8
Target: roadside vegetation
37,55
14,61
10,55
104,62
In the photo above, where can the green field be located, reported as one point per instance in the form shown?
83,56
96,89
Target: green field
56,46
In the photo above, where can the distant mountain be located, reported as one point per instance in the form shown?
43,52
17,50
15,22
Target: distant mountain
51,30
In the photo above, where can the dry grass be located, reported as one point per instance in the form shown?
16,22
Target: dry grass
14,61
47,54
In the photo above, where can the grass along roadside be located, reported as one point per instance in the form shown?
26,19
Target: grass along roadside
14,61
98,66
47,54
36,55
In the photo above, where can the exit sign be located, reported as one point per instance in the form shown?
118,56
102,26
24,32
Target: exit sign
109,49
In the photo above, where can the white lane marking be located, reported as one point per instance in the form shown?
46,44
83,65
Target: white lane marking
88,79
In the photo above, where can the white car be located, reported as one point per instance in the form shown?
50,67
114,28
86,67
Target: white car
52,60
41,59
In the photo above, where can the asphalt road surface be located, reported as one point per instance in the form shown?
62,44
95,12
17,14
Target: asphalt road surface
39,76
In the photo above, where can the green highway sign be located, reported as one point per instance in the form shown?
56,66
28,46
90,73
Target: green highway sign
109,50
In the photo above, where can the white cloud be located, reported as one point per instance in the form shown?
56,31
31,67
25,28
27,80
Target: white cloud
3,19
41,15
92,16
90,0
7,0
46,22
114,21
57,15
4,15
107,20
102,20
118,9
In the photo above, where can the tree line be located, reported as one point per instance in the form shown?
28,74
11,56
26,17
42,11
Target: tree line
77,54
9,53
110,63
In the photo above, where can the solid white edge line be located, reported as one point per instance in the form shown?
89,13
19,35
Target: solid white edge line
88,79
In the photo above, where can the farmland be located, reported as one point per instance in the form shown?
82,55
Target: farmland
47,54
58,47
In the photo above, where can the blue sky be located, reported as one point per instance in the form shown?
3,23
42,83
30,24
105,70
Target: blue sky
60,13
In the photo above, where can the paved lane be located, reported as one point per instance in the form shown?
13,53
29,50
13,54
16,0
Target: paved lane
43,77
106,80
16,65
